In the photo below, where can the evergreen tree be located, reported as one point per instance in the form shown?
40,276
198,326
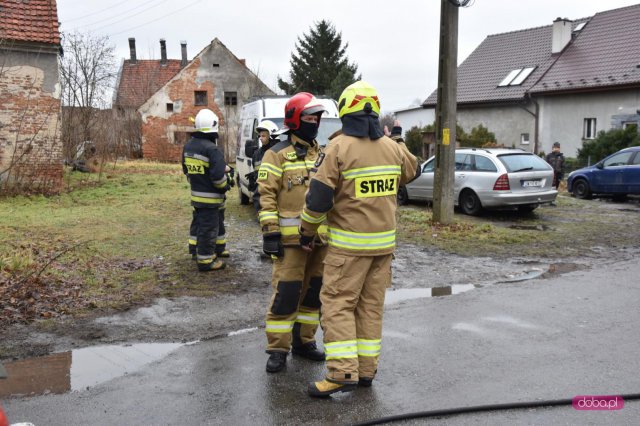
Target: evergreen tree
319,64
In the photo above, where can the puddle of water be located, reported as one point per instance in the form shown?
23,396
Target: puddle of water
79,369
402,294
528,275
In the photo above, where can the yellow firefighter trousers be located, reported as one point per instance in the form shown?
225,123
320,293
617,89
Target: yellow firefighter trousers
352,300
294,311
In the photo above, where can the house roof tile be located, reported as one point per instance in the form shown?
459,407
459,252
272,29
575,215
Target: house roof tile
140,80
31,21
603,54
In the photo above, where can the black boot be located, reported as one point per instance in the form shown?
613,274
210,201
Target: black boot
309,351
276,361
365,382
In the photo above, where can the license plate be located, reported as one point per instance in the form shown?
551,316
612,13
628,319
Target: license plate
531,183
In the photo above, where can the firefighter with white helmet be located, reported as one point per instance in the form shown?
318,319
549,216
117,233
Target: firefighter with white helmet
283,178
206,171
355,190
268,136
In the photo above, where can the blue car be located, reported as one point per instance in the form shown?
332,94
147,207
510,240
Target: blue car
616,175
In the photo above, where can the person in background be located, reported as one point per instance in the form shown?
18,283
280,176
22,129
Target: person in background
556,159
267,137
206,171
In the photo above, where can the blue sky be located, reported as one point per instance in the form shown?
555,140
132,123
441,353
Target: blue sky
395,44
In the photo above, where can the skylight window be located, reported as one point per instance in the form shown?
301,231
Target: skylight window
579,27
516,77
509,77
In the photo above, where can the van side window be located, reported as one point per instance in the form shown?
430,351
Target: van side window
248,128
253,129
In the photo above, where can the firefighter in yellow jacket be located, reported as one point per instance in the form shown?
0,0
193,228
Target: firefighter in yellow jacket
283,178
355,191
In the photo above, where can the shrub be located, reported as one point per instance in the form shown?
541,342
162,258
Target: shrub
607,143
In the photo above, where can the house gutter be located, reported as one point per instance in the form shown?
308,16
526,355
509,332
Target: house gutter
536,117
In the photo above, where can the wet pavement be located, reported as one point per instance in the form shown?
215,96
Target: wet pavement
491,340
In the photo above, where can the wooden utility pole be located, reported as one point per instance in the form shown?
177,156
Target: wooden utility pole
446,114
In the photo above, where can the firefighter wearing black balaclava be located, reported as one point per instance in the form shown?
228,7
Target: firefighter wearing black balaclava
354,191
283,178
206,171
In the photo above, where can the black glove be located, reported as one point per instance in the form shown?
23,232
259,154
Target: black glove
306,242
253,180
232,172
272,244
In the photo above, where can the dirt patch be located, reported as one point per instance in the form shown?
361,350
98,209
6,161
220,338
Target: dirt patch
183,305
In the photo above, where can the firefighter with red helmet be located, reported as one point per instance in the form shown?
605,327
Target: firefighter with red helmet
206,171
283,178
354,190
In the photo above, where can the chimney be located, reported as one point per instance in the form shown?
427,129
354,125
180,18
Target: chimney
561,34
183,48
163,52
132,49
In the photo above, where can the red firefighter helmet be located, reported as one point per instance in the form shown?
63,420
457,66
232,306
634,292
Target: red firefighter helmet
302,103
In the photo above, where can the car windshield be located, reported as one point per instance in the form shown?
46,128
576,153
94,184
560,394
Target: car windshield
328,125
521,162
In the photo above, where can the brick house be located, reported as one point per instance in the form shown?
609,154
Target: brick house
30,144
214,79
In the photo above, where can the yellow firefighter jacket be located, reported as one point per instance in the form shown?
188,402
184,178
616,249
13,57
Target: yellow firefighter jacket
283,179
355,190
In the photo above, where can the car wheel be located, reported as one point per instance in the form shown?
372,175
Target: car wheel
470,203
527,208
244,200
403,197
581,189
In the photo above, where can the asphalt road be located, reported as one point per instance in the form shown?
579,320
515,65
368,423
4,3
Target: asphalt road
542,339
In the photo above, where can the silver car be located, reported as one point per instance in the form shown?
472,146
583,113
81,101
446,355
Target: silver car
490,178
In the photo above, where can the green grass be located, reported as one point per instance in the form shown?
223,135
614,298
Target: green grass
118,239
573,228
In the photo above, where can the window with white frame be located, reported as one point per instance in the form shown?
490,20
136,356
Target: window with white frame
524,139
589,131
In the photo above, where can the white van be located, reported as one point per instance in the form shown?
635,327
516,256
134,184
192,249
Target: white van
272,108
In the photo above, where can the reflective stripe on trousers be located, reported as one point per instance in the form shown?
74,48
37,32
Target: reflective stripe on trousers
279,326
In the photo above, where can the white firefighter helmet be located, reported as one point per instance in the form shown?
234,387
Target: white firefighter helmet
206,121
267,125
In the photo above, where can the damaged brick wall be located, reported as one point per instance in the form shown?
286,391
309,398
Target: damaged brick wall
162,131
30,145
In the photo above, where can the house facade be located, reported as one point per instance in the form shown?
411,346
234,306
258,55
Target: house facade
30,146
215,79
563,82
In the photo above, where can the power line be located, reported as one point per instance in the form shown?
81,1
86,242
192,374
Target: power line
118,14
97,12
130,16
157,19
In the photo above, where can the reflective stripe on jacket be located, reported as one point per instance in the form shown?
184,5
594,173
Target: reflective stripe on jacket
204,166
355,188
283,179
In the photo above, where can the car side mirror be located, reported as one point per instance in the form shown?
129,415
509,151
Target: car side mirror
250,147
599,166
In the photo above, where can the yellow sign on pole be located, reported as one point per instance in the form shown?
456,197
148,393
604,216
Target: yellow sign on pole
445,136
